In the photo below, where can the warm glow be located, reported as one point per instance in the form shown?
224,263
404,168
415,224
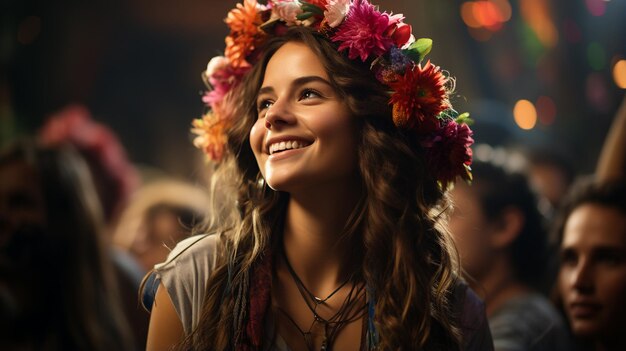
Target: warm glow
486,14
619,74
538,16
504,7
525,114
467,14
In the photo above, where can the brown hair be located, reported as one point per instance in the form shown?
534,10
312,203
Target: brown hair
408,261
70,299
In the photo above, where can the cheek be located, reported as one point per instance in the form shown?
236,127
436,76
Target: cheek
257,133
613,286
562,279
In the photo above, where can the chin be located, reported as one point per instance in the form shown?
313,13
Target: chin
586,329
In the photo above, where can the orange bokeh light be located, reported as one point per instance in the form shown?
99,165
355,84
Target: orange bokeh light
619,74
525,114
488,14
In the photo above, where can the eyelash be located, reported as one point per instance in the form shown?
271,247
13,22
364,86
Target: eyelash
265,104
309,91
262,105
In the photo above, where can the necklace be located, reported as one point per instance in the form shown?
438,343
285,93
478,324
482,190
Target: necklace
347,313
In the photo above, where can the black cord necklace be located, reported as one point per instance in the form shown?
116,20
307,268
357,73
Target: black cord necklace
347,313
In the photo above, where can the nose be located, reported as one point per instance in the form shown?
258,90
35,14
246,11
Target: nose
279,115
582,277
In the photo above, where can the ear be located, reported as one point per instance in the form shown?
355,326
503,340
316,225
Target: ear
507,228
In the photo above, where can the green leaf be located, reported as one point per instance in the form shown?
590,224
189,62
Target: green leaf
419,49
307,7
304,16
464,118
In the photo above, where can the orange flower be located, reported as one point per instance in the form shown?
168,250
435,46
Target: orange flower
418,97
210,133
245,35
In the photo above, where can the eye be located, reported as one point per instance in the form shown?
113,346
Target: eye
568,257
608,257
263,105
309,94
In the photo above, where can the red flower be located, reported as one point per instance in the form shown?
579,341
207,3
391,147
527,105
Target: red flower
448,152
418,97
362,32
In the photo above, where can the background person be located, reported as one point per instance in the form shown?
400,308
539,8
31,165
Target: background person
591,232
57,285
503,246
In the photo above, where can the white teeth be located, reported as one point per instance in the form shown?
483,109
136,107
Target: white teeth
286,145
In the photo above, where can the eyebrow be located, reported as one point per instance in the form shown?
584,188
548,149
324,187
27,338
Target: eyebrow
296,83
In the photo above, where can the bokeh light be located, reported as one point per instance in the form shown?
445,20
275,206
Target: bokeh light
546,110
596,56
538,16
596,7
597,92
619,74
525,114
485,14
572,31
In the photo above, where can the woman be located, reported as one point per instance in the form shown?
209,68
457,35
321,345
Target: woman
335,242
591,232
57,284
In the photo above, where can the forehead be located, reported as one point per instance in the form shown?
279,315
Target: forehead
291,61
591,225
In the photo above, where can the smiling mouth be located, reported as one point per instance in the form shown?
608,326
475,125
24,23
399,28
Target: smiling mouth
287,145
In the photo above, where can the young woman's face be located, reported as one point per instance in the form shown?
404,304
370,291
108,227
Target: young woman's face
305,134
592,277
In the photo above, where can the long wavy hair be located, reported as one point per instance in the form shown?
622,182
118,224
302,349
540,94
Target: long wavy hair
408,261
65,292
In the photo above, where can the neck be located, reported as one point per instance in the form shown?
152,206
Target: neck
499,284
315,221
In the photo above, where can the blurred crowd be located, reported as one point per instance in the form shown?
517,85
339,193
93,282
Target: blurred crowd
80,226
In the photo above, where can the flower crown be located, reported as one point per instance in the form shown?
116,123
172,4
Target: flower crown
419,91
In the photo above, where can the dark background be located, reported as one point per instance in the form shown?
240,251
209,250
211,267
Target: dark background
136,66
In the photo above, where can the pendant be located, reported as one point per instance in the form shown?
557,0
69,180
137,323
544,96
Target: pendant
324,345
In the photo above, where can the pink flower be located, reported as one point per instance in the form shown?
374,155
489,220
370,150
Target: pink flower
287,10
448,152
362,32
222,77
336,11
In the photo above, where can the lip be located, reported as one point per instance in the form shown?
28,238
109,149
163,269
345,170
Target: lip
285,154
584,309
278,139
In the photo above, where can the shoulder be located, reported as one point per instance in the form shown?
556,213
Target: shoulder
529,322
470,312
198,250
190,263
185,272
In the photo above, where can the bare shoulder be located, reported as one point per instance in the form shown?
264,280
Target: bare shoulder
166,329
